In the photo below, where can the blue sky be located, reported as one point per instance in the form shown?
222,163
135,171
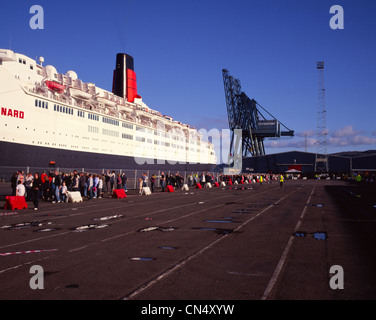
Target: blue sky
180,48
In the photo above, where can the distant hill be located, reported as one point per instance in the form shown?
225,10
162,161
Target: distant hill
355,154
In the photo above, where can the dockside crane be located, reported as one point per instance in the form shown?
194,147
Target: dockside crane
245,117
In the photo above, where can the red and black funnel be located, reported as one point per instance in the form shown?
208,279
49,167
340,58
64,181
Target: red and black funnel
124,83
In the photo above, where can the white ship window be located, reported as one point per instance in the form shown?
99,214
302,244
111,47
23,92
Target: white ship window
140,129
141,139
127,125
110,133
149,141
93,117
93,129
110,121
36,102
62,109
127,136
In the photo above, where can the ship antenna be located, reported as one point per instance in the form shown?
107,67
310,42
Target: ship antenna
10,40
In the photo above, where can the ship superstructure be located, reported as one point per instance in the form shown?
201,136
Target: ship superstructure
47,115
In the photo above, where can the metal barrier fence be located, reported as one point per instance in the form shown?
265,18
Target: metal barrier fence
132,175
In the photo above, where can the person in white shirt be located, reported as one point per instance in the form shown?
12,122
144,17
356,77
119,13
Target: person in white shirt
20,189
63,191
28,185
90,187
100,188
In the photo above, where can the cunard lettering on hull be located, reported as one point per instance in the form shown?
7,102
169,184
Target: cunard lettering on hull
12,113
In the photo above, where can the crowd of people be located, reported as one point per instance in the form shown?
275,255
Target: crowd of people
54,186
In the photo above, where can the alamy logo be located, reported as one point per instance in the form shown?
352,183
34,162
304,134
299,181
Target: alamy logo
337,21
336,281
37,280
37,20
214,141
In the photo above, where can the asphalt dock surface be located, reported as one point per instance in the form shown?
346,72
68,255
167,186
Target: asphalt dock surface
250,242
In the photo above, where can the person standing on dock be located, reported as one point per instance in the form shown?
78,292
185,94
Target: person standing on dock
28,185
82,184
281,181
152,181
163,181
358,179
140,185
36,188
58,184
90,187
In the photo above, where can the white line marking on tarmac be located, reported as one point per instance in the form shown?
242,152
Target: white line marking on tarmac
120,220
282,260
169,221
177,266
78,249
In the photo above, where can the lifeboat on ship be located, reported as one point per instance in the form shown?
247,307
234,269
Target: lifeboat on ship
124,108
146,114
55,86
106,101
79,94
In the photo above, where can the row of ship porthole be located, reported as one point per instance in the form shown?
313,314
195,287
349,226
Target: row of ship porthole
124,136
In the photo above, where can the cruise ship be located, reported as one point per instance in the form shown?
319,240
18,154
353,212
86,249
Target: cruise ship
47,116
